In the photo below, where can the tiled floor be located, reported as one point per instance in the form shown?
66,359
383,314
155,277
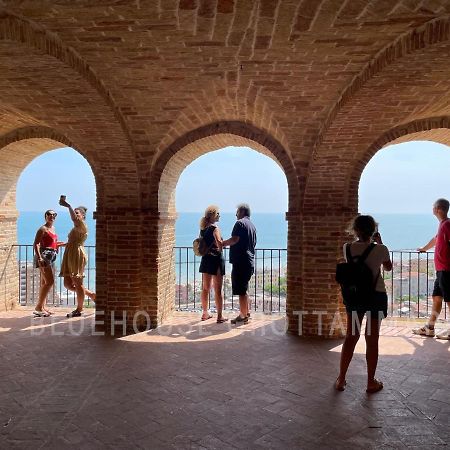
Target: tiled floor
195,385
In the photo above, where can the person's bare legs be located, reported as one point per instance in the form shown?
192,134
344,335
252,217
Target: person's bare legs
437,308
372,335
89,293
206,286
351,338
47,281
243,305
217,283
79,289
76,285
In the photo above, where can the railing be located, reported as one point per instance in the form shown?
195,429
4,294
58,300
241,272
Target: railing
30,278
409,286
267,287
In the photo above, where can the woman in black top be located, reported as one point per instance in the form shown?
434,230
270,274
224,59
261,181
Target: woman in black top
212,265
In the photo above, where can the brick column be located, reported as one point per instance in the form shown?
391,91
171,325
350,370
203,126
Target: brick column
323,237
120,302
294,296
9,270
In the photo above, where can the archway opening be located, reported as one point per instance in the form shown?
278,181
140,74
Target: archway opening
226,178
398,187
35,173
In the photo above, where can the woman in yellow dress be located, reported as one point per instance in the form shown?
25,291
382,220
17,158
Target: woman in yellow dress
75,257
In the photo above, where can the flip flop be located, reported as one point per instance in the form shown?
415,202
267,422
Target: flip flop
339,386
207,318
378,386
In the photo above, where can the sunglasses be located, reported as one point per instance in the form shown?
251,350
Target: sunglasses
52,215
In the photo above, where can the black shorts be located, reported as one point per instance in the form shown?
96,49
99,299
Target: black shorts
212,264
240,276
376,308
442,285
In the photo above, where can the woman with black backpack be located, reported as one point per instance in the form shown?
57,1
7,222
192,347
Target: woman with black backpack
212,265
367,249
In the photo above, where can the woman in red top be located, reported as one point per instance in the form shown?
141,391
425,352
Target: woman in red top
45,250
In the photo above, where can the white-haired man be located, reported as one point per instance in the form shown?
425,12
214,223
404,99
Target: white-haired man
242,256
441,289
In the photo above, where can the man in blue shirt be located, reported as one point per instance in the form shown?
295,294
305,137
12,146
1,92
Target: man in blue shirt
242,256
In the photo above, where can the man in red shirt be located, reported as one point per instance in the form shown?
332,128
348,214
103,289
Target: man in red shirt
441,289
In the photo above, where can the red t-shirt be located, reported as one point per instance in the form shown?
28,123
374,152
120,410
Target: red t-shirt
442,246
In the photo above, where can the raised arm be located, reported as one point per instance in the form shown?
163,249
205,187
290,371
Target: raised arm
73,216
426,247
387,263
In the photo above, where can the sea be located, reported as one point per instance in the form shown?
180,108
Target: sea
399,231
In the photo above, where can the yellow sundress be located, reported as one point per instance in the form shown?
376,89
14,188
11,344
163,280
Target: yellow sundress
75,257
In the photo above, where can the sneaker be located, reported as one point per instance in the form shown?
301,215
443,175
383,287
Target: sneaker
424,331
444,335
74,313
41,314
239,319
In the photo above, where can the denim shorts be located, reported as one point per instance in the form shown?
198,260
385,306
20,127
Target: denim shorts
48,256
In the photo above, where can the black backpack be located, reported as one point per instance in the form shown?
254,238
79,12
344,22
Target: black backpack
356,279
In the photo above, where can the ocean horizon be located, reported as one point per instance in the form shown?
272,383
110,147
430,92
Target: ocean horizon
399,231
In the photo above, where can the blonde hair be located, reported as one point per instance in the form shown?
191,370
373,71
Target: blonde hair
82,209
210,212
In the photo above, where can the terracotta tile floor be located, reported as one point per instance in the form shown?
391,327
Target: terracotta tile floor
200,385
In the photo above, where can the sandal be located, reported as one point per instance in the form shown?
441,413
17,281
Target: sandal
41,314
207,318
339,386
222,320
375,388
74,313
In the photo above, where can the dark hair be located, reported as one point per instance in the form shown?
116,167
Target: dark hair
245,208
363,226
49,211
83,210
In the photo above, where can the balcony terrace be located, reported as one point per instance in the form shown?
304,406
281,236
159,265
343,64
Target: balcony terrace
196,385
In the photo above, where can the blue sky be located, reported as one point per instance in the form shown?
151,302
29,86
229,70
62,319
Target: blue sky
405,178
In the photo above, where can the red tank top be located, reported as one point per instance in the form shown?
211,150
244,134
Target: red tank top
49,240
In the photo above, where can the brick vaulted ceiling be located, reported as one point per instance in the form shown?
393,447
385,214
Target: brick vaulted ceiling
159,69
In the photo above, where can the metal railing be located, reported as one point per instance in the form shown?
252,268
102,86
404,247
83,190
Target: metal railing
267,287
409,286
30,278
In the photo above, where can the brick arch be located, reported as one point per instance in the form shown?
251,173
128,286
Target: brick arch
165,176
15,28
435,129
184,150
27,143
17,149
432,32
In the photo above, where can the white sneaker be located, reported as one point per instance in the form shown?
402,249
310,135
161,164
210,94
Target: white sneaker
444,335
424,331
